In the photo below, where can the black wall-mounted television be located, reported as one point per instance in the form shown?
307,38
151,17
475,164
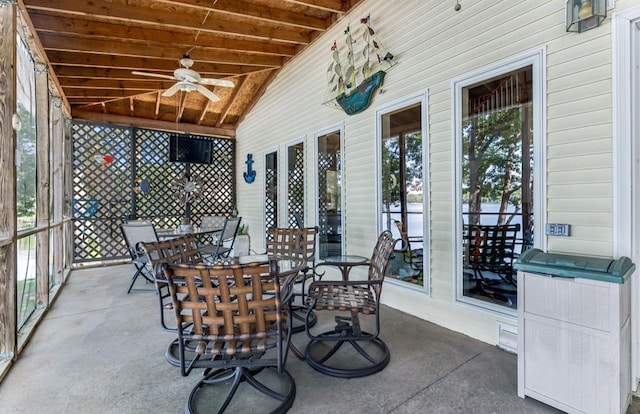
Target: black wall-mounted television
184,148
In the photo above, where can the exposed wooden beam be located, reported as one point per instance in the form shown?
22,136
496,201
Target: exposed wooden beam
259,13
77,61
204,111
257,95
128,48
130,14
39,52
154,124
58,23
158,99
230,101
335,6
80,83
102,93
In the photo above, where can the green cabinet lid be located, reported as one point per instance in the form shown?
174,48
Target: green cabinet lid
565,265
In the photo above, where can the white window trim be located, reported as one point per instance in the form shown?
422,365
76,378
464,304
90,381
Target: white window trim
422,99
624,34
537,59
300,140
339,128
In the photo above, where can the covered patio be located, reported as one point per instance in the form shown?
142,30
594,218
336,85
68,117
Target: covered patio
477,114
99,350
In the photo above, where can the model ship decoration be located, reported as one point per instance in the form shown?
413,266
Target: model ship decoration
358,69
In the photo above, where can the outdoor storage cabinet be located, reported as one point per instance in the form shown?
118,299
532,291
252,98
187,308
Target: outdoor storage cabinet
574,345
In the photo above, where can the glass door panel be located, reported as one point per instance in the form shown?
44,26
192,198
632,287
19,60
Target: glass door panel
329,194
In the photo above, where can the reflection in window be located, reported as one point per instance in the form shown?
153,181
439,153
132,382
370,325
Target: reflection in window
295,185
329,194
271,191
402,190
26,278
497,184
26,139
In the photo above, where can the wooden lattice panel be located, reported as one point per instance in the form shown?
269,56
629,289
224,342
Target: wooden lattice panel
109,162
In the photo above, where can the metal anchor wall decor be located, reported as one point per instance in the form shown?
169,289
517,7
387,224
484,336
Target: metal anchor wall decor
250,175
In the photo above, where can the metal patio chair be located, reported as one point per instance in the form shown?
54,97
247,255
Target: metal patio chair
233,322
182,249
349,300
134,234
225,240
300,243
413,257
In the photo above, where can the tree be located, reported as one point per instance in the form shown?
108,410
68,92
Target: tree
26,170
492,160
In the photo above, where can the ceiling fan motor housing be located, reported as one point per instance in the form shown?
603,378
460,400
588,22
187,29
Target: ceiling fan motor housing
188,75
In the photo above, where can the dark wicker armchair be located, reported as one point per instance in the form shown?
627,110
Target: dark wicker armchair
349,300
300,243
177,250
233,322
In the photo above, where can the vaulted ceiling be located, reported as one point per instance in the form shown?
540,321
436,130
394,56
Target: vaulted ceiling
94,46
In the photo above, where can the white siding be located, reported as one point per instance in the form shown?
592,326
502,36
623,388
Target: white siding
435,44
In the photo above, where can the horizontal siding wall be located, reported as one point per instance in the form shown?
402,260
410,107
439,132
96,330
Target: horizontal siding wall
435,44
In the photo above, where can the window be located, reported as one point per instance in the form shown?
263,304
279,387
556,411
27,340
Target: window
26,183
329,190
295,185
26,139
497,136
401,131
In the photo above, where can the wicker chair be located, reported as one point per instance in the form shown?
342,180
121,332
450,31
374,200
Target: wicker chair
233,322
355,298
296,242
182,249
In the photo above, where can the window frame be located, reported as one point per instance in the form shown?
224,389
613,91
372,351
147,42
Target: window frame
410,100
537,60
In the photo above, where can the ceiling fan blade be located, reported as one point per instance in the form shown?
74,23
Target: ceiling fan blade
155,75
171,91
216,82
206,92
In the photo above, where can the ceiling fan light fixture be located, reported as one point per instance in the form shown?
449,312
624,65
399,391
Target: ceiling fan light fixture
186,61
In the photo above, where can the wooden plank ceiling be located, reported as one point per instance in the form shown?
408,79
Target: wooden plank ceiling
92,48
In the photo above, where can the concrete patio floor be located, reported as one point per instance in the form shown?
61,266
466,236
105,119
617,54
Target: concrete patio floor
100,350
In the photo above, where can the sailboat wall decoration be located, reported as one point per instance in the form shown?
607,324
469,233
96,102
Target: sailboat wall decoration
358,69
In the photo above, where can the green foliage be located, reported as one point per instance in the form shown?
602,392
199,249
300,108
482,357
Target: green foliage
492,157
26,172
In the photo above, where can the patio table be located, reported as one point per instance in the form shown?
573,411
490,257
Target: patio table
196,231
344,263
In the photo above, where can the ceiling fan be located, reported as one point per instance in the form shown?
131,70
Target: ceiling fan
189,80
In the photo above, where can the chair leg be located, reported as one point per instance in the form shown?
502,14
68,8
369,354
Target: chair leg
230,380
140,271
370,361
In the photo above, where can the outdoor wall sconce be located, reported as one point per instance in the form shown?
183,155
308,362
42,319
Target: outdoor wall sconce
585,15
